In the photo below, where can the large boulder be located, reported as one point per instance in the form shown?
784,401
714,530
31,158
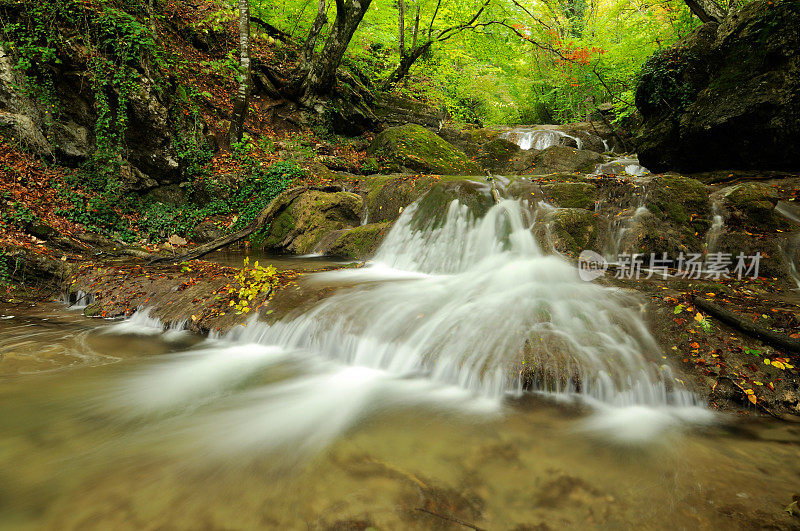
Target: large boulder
359,243
557,159
395,110
412,148
304,222
726,96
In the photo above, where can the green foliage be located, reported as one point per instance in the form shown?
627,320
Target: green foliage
663,79
5,269
15,214
257,188
252,282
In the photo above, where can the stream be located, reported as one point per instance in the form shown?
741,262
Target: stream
462,376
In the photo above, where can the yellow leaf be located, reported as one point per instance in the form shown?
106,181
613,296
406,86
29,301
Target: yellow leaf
778,364
748,391
757,383
698,317
752,398
766,361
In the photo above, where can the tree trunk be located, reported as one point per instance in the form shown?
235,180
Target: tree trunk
405,65
319,22
706,10
240,104
401,33
321,77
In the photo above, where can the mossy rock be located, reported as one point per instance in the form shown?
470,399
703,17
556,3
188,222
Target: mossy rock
359,243
571,230
571,195
752,207
386,196
773,262
413,148
495,154
433,207
557,159
677,199
306,220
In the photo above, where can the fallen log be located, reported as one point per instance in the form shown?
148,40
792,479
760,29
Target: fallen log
748,327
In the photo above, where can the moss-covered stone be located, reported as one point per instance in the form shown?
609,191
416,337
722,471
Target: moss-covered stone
359,243
571,195
557,159
305,221
569,230
752,206
678,199
495,154
413,148
433,207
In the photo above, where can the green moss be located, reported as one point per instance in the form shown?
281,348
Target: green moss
753,206
573,229
361,242
412,147
677,198
572,195
278,230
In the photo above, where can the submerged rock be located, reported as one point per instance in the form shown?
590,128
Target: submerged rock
726,96
413,148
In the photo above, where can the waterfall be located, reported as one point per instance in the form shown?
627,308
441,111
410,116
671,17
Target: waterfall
622,166
791,245
454,313
717,227
476,303
539,138
619,229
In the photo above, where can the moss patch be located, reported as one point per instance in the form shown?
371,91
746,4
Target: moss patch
678,199
571,195
412,147
361,242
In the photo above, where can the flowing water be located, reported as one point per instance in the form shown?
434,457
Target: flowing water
396,402
534,138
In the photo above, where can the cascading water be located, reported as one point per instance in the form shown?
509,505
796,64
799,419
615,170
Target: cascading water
791,246
717,228
475,298
456,312
539,138
622,166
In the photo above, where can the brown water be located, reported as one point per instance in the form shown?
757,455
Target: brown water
77,452
281,262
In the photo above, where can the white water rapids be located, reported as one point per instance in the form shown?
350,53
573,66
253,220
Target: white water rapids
456,314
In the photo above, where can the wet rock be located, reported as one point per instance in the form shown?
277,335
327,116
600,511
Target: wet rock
678,199
433,207
726,96
752,206
413,148
387,196
21,130
359,243
207,231
495,154
561,159
300,226
397,111
567,230
571,195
